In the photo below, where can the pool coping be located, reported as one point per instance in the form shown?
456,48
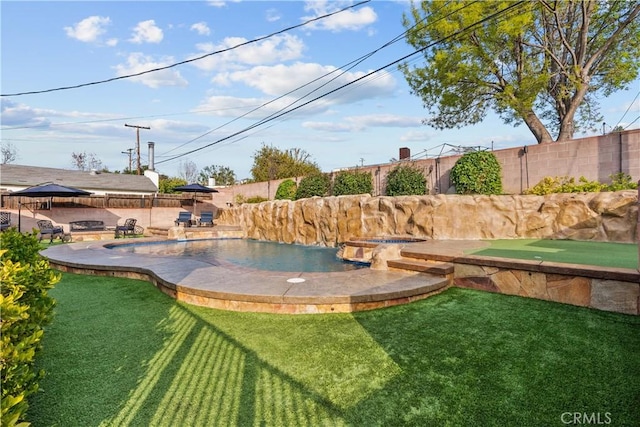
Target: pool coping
228,286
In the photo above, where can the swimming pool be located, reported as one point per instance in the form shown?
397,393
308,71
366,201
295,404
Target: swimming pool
260,255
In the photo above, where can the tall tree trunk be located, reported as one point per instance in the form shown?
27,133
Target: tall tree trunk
567,126
537,127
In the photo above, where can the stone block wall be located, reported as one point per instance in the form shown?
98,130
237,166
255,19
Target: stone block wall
608,294
329,221
595,158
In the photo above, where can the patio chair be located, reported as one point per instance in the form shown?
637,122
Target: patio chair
184,218
128,228
206,219
5,220
53,231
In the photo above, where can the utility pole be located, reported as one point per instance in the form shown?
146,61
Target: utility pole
129,150
138,144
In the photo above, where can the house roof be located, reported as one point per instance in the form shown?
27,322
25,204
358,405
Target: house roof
18,176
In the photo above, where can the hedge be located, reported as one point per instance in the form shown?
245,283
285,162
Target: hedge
26,308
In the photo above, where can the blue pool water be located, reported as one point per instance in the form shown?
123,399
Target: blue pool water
248,253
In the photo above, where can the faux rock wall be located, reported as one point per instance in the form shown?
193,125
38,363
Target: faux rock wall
609,216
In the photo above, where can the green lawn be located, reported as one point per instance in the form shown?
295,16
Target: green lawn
604,254
121,353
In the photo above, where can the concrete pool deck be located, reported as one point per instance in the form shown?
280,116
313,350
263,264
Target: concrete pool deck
223,285
227,286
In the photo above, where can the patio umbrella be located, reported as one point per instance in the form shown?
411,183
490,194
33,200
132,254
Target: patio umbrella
47,190
195,189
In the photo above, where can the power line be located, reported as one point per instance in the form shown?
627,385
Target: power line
344,68
635,120
629,108
318,18
273,117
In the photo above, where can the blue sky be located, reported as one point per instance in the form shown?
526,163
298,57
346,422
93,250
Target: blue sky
50,44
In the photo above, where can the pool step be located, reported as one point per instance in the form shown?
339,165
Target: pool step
157,231
423,266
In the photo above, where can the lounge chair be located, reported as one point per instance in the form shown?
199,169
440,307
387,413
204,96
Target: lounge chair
53,231
129,228
206,219
184,218
5,220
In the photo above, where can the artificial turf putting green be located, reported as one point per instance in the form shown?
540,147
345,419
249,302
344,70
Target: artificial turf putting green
121,353
604,254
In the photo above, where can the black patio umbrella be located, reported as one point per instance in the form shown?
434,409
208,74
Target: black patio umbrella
195,189
47,190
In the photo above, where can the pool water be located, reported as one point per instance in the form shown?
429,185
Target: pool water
260,255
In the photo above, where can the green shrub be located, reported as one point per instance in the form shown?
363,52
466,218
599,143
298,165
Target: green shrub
313,185
352,182
405,180
167,185
286,190
478,172
256,199
621,181
26,308
240,199
565,184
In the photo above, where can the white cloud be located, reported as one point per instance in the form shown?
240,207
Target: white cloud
387,120
276,49
176,127
146,32
233,107
351,19
201,28
359,123
332,127
14,115
416,136
138,62
273,15
89,29
221,3
280,79
17,115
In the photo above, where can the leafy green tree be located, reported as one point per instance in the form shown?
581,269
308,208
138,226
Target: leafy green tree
167,184
478,172
287,190
272,163
222,174
539,62
352,182
317,184
406,180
